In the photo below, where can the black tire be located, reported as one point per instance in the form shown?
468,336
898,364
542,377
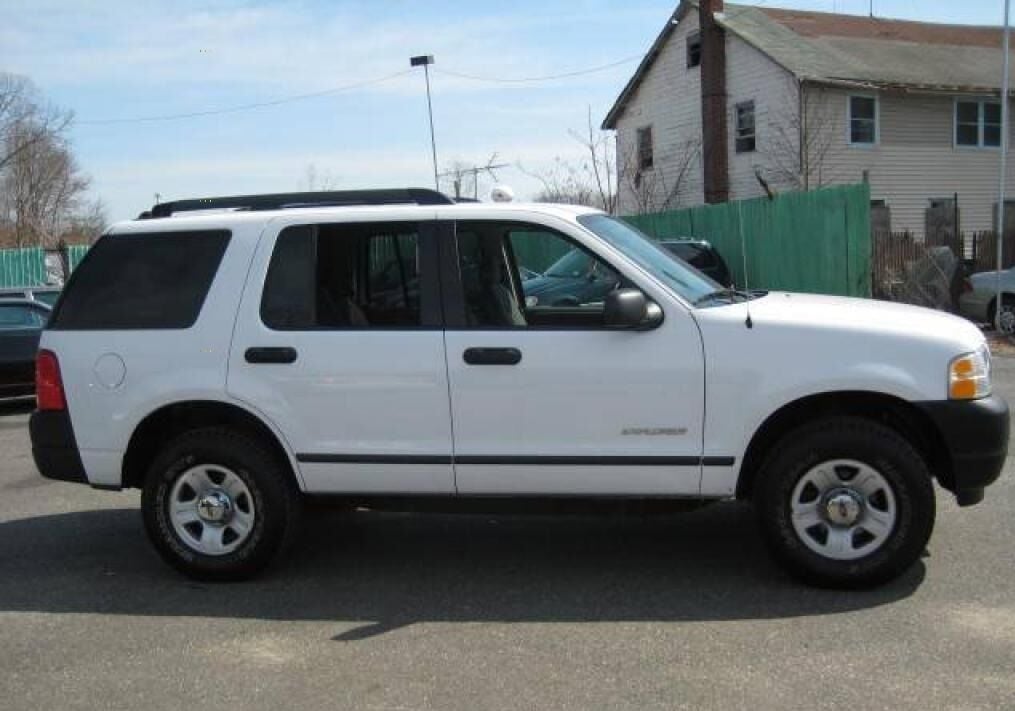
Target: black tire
873,444
276,502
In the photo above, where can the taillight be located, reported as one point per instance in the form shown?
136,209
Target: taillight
967,286
48,384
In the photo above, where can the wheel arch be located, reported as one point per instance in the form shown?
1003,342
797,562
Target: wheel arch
172,419
901,415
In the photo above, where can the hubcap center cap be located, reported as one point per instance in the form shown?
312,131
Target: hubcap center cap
843,508
215,507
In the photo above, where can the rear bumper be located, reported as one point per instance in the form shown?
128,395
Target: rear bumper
54,448
975,433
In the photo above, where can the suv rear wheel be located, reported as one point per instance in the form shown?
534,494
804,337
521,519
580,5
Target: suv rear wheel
217,505
845,502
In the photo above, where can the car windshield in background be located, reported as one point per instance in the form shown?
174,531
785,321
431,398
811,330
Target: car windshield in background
641,249
573,264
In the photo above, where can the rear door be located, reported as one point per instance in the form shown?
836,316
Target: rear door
339,343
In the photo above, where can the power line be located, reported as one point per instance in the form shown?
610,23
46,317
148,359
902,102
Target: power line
547,77
354,85
247,107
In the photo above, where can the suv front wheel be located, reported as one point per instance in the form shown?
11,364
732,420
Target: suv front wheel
845,502
217,505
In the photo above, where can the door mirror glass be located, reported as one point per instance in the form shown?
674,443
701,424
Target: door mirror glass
630,308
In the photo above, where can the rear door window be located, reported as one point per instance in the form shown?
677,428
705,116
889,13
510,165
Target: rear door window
145,281
344,276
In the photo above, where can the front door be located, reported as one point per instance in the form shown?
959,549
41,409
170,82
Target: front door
545,399
342,350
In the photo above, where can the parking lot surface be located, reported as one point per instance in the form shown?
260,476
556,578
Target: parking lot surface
383,611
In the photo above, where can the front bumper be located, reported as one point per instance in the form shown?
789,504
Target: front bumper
54,448
975,433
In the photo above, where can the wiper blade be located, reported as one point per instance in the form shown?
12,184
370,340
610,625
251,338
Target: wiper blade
731,294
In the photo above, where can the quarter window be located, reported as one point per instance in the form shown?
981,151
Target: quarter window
343,277
863,120
745,135
978,123
141,281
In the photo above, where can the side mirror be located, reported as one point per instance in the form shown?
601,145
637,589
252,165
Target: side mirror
630,308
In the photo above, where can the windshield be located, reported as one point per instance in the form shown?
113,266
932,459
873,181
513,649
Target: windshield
643,251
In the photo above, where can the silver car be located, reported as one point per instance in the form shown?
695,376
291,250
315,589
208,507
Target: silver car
976,302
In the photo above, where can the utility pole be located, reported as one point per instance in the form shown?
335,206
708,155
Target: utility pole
1001,177
425,60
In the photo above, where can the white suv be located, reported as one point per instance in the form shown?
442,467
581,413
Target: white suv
382,347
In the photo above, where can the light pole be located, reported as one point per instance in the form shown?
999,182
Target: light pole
425,60
1001,178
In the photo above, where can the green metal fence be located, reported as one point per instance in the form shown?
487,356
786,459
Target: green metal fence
27,266
817,241
75,253
22,267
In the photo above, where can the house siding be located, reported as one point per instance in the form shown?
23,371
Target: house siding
668,99
753,76
914,160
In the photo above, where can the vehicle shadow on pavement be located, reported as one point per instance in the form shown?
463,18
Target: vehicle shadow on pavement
387,571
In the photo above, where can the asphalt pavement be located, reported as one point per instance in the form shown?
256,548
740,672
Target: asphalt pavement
385,611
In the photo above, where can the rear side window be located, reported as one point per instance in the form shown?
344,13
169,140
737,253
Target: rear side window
346,276
150,281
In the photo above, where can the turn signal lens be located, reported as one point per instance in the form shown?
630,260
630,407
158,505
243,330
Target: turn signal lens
969,376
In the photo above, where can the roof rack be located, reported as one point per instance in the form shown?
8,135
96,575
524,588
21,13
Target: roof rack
281,201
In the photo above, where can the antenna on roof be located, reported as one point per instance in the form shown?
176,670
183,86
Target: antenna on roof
743,253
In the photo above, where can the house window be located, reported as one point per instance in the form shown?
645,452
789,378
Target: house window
645,157
745,127
978,123
693,50
863,120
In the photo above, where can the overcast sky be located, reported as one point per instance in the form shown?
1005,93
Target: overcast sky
126,59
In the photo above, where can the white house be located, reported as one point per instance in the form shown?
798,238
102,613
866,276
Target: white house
812,99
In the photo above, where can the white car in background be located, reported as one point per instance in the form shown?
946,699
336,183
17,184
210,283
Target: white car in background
976,302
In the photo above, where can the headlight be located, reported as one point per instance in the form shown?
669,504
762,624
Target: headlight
969,375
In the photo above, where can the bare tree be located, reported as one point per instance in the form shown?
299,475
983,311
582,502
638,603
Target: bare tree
25,117
88,224
566,182
589,181
41,186
40,189
661,186
802,136
315,180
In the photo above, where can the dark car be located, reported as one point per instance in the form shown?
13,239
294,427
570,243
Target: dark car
573,280
21,324
702,256
46,294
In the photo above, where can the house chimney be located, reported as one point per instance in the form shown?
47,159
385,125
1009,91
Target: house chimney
714,135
